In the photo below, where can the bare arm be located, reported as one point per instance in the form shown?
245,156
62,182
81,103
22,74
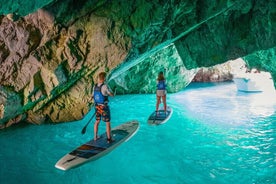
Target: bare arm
110,94
108,91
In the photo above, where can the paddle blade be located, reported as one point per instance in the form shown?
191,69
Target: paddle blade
84,128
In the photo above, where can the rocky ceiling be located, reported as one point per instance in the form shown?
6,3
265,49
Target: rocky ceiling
51,51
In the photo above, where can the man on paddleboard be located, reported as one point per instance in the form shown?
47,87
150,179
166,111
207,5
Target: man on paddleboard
100,95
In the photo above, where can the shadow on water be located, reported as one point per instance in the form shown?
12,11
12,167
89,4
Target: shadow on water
14,127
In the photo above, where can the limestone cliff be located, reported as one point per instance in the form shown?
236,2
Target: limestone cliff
51,51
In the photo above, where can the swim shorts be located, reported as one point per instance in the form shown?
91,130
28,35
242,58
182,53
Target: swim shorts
161,92
102,112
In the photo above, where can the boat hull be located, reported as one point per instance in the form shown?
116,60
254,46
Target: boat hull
254,83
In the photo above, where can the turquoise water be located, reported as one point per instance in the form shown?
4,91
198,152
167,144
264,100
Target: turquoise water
215,135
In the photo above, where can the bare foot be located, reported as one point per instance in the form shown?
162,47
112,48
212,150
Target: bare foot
110,140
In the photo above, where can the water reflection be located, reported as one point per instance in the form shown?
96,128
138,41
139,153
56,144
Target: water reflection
222,104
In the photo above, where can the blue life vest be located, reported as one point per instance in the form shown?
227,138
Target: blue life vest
99,98
161,85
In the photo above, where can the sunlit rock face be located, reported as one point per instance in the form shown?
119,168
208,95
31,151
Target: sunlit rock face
52,51
222,72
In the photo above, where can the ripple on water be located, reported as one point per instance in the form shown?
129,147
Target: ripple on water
215,135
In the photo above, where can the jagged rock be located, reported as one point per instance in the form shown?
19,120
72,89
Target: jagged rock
263,60
52,52
220,72
141,76
2,110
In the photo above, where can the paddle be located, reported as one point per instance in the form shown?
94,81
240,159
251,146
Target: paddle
84,128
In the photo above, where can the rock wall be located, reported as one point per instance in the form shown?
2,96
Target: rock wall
49,59
47,69
221,72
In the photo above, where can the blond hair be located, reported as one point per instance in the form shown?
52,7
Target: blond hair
102,76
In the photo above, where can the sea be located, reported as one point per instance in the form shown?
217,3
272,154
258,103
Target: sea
216,135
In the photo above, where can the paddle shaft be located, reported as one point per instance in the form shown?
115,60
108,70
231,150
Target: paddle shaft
84,128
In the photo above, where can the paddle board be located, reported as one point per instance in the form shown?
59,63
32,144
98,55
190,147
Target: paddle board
93,150
160,117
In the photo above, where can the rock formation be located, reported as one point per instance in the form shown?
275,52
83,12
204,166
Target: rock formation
52,51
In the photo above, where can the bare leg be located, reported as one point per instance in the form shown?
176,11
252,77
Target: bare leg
164,102
96,125
108,130
157,103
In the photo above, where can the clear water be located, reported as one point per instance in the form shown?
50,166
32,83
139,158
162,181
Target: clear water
215,135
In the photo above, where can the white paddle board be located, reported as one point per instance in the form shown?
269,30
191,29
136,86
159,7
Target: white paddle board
93,150
160,117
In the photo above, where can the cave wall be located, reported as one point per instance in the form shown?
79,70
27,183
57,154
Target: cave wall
51,53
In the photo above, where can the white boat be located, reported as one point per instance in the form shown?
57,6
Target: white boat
254,82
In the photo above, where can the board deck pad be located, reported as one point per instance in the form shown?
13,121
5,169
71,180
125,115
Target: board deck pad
160,117
93,150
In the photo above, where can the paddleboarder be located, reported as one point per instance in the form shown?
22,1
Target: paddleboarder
100,94
161,91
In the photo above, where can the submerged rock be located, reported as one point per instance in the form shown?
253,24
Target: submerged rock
52,51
